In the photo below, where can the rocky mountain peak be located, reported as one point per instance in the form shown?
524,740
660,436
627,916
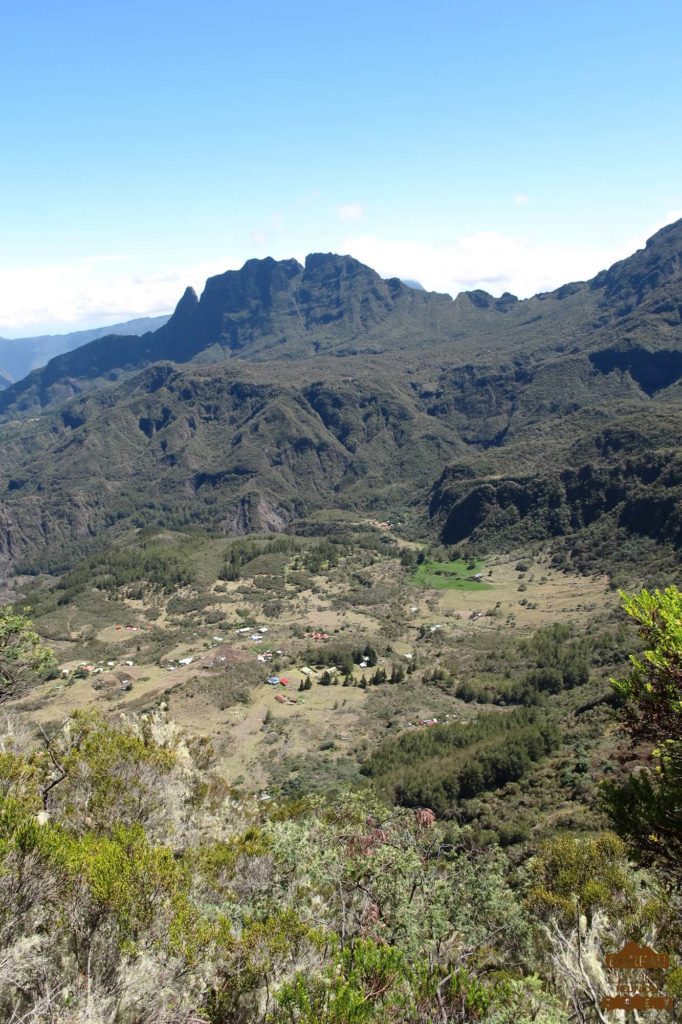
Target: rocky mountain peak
658,265
335,305
187,304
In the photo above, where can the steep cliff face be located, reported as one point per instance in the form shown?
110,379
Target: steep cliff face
613,501
544,506
271,309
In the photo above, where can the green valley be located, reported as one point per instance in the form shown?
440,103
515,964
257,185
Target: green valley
329,567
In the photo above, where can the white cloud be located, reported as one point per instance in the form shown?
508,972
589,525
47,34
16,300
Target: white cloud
263,236
96,292
350,211
521,199
488,260
108,289
669,218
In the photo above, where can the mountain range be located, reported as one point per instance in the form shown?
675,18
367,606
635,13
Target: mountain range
18,356
286,389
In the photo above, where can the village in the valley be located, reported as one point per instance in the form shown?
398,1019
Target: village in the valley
270,693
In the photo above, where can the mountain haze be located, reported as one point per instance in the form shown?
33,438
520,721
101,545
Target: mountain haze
18,356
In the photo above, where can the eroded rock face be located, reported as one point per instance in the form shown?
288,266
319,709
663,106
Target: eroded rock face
257,514
280,302
641,495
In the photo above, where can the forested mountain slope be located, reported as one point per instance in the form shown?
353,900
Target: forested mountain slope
289,388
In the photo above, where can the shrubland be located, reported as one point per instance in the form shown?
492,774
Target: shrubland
137,887
395,867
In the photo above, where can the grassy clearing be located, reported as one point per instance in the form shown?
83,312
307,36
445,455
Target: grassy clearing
450,575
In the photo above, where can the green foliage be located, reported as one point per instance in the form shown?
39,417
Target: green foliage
98,776
21,649
646,809
242,553
21,778
365,983
371,984
571,876
652,693
323,556
219,862
561,661
342,657
330,911
153,563
456,575
438,766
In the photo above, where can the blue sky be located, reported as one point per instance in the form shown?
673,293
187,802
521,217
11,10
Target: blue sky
511,146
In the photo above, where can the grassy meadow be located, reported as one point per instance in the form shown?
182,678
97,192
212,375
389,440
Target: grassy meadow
455,575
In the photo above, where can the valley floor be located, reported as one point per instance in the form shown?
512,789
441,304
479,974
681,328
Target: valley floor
188,652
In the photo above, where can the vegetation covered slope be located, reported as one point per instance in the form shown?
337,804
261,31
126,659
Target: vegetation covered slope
616,494
297,388
138,886
221,449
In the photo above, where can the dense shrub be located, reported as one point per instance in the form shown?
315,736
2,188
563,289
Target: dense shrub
437,766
